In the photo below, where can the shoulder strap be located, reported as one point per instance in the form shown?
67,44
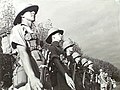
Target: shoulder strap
46,54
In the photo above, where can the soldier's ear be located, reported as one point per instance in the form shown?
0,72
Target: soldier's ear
53,37
22,16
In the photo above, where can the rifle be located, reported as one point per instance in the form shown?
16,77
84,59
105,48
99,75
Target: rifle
74,71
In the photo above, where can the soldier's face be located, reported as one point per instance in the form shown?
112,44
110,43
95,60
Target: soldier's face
58,36
69,50
29,15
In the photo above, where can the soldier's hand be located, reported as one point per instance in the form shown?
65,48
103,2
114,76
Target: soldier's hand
69,81
35,83
83,86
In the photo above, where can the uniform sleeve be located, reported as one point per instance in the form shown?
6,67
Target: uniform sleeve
17,36
56,60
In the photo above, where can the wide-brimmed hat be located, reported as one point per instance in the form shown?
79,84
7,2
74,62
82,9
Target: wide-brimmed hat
90,62
90,67
51,32
76,56
68,43
25,8
84,61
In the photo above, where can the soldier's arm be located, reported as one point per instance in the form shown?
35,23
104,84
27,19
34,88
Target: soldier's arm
59,66
25,60
64,73
35,82
56,59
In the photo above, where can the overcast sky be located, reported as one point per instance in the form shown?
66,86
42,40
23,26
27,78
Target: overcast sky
93,24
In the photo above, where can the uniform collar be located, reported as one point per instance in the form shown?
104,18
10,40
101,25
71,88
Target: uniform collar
55,43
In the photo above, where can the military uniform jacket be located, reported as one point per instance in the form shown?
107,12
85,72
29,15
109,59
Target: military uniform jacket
18,37
58,69
78,72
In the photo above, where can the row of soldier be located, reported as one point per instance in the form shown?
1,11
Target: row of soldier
67,62
77,67
56,68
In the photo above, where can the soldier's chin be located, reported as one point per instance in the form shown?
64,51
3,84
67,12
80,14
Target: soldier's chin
32,20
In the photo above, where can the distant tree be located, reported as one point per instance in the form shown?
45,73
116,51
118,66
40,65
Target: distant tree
77,48
6,23
43,29
7,16
112,71
107,67
48,24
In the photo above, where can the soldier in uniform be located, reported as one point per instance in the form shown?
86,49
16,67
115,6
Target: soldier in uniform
80,68
103,82
24,40
74,63
59,75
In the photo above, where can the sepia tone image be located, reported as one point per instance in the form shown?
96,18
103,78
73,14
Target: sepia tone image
59,44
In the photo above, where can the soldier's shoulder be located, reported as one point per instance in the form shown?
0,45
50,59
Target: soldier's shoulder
16,27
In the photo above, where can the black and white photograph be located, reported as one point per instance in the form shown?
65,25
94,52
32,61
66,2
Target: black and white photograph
59,44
